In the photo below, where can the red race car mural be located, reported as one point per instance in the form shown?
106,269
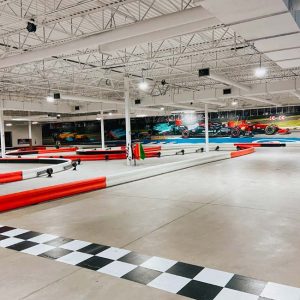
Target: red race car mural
257,127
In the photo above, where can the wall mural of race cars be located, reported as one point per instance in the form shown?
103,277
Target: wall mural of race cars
235,124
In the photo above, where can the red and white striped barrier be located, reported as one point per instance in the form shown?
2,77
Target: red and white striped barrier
57,165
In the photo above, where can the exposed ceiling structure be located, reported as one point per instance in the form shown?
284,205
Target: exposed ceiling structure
83,50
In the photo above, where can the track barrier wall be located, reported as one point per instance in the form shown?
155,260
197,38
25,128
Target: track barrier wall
57,165
29,197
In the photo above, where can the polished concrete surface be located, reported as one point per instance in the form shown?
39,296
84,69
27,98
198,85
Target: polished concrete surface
239,215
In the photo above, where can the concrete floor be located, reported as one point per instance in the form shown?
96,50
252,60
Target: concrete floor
239,215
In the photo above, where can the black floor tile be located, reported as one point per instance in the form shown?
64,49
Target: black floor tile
58,242
134,258
28,235
6,228
185,270
93,249
3,237
55,253
22,245
200,290
95,263
142,275
246,284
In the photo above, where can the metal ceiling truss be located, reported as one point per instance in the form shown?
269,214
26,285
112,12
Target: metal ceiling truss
93,72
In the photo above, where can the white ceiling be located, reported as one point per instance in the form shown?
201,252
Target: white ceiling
230,37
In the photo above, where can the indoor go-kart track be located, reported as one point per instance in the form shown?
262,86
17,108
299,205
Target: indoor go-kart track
176,233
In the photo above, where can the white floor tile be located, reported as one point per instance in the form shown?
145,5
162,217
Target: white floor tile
14,232
9,242
43,238
169,282
228,294
159,264
117,268
214,277
74,258
113,253
38,249
279,292
75,245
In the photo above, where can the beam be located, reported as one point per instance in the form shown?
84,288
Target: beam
132,31
257,99
228,81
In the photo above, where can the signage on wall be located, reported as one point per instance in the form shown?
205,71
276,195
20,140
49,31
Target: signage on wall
23,141
280,118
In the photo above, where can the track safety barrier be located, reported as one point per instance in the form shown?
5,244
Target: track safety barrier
57,165
29,197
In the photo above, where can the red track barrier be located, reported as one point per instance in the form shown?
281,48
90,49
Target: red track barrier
11,177
30,197
149,152
58,150
242,152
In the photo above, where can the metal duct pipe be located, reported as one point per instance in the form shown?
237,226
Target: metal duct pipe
136,30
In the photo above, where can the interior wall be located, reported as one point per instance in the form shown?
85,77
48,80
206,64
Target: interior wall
21,132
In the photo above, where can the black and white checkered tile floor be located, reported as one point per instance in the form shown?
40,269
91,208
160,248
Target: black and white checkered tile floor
180,278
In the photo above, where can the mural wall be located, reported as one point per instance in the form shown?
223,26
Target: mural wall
238,123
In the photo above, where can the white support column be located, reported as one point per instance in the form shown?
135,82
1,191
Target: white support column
102,132
2,134
29,131
127,120
206,129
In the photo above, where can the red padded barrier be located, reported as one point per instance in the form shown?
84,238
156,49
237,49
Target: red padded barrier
248,145
11,177
58,150
242,152
149,152
30,197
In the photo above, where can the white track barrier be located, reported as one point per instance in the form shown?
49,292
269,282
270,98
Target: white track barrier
134,175
36,172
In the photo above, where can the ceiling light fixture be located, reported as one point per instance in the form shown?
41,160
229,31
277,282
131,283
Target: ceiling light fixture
8,124
162,108
35,122
50,99
234,103
260,72
143,85
110,114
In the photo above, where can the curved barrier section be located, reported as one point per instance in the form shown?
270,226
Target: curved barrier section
242,152
162,169
21,199
256,145
93,155
11,177
57,165
40,151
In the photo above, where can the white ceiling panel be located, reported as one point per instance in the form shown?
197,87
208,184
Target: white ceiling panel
293,63
278,43
265,27
231,11
284,54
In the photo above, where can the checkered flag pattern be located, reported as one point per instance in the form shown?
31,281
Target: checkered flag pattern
176,277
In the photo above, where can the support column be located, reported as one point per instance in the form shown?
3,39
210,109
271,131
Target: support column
127,121
206,129
102,132
30,133
2,133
